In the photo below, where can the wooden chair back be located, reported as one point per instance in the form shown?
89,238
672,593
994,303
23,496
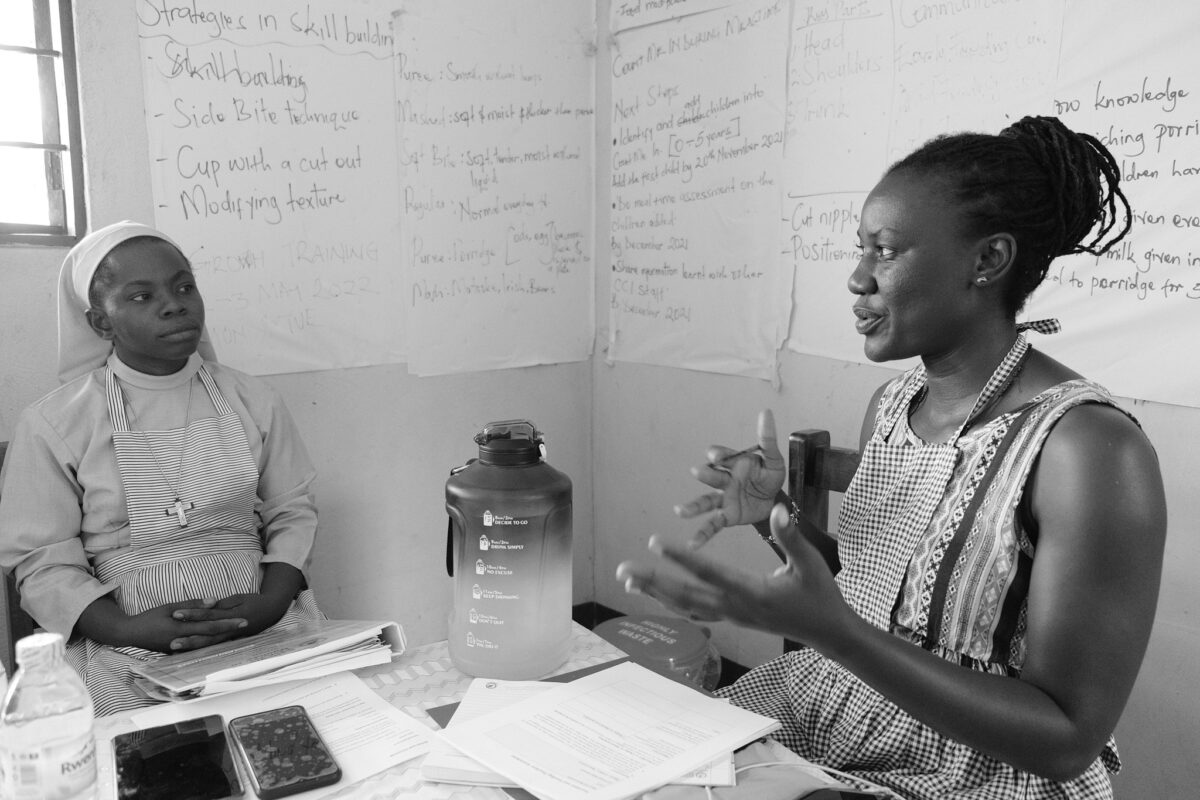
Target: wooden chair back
816,468
14,623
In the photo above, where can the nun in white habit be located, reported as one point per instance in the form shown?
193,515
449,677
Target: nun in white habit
156,501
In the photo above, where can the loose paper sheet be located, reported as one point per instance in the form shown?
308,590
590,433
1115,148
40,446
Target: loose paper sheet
273,164
607,736
496,123
1131,317
697,127
868,83
633,13
447,763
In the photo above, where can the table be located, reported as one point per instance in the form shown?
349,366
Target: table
424,677
419,679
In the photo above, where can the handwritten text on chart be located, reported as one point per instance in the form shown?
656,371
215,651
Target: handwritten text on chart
453,176
670,161
496,181
188,22
697,143
272,151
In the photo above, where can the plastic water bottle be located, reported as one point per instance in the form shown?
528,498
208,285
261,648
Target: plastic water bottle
47,746
509,550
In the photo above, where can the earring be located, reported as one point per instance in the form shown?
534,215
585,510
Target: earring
981,280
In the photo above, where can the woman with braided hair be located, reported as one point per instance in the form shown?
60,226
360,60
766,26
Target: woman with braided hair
975,628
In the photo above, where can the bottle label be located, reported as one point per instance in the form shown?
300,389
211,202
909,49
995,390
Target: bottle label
492,543
502,520
53,772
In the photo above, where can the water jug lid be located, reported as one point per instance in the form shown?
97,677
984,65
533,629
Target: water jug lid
510,443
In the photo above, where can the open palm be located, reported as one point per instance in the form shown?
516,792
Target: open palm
746,484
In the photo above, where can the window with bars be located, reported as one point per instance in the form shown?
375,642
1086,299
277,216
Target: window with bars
41,165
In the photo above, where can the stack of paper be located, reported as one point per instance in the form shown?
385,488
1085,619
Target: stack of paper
607,736
447,764
306,651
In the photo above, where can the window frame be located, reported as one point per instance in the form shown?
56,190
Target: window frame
65,187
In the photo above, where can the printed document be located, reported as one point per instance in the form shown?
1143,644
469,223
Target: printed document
607,736
447,764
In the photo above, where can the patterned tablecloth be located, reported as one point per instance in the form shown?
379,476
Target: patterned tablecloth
424,677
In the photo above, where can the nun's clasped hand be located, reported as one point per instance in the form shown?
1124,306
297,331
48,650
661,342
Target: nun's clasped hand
799,599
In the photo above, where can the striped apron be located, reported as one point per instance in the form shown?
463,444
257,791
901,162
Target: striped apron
214,555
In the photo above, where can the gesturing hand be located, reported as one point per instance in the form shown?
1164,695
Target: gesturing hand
746,484
799,600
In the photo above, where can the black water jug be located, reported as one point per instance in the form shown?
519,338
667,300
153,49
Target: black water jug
508,548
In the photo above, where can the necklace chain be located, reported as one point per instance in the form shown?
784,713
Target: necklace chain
180,506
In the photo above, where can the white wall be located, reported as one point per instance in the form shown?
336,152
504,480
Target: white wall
383,441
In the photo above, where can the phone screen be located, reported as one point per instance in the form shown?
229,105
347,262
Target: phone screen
187,760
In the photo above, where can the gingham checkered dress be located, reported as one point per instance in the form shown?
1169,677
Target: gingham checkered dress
933,550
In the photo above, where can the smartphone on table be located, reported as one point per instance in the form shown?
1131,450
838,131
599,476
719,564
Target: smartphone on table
282,752
187,760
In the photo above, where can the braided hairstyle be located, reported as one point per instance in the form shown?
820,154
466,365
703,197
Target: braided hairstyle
1038,180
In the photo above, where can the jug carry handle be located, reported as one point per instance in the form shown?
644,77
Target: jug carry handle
450,526
454,516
